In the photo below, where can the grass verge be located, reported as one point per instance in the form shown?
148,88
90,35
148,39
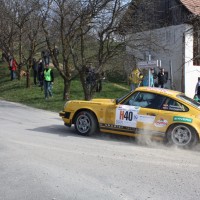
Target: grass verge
16,91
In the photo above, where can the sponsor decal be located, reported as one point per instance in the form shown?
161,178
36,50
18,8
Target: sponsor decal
161,123
165,106
116,127
182,119
176,108
146,118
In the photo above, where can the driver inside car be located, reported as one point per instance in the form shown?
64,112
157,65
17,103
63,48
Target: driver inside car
144,100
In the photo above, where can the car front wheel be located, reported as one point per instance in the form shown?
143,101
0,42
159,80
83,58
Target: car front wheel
85,123
182,135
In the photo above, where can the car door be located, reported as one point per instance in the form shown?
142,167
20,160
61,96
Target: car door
139,110
120,116
149,105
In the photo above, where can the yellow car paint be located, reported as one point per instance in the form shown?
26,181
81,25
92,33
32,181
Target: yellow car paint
130,116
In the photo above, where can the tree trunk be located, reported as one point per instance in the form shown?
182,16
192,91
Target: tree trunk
28,70
20,53
66,91
28,78
87,88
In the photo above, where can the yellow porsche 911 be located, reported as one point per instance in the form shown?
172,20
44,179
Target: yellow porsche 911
161,112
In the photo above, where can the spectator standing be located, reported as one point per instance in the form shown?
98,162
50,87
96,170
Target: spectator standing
45,56
3,56
155,76
162,78
135,78
56,51
149,78
35,71
48,81
90,76
100,77
42,54
12,67
197,91
40,73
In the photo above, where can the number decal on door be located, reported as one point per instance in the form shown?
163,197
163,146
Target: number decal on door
127,115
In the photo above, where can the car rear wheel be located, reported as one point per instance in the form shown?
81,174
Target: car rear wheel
182,135
85,123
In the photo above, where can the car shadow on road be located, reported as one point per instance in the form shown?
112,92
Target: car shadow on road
142,141
66,131
55,129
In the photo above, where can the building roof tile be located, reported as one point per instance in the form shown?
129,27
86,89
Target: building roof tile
192,5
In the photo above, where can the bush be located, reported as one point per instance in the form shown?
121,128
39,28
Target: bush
116,76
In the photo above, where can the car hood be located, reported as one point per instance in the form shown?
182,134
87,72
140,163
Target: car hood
103,100
92,101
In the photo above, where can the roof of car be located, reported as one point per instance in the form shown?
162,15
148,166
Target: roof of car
159,90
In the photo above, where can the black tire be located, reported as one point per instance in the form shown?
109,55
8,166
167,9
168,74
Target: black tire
85,123
182,135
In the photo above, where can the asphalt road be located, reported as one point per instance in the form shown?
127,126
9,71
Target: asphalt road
41,159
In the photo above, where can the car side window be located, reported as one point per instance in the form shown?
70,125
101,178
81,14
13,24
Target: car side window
173,105
129,101
156,102
146,100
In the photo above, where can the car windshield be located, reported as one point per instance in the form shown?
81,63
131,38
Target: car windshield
121,98
189,100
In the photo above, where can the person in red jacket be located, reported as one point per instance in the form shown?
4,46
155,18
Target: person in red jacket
13,68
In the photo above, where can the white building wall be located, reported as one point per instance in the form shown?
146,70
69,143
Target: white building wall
173,44
191,72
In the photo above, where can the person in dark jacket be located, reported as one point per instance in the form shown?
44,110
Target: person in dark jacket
48,81
35,71
40,73
197,91
45,56
162,78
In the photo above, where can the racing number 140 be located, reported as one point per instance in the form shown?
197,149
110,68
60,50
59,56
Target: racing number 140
128,115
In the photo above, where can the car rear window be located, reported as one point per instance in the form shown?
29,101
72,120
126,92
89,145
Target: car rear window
188,100
173,105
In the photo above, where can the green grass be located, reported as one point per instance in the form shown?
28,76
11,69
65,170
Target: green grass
16,91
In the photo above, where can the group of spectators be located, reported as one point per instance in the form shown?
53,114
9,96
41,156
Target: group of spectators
148,78
42,74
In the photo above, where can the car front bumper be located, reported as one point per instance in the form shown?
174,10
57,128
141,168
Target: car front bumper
66,118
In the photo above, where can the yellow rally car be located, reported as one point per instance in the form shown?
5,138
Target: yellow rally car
146,110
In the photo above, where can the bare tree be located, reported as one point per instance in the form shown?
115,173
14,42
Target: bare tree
93,39
83,30
55,25
17,15
7,29
33,41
